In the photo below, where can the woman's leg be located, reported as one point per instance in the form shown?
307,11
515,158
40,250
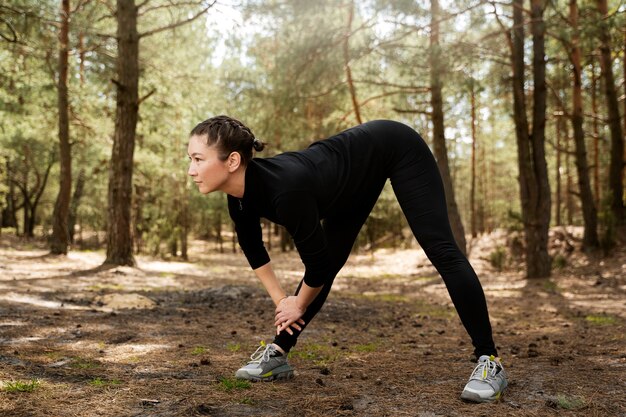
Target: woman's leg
418,186
341,231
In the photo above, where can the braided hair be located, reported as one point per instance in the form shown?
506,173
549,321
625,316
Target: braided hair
229,135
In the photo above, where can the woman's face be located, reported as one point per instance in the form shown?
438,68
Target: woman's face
205,168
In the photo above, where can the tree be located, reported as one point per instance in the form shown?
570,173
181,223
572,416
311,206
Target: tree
590,216
119,236
616,169
439,140
533,176
60,238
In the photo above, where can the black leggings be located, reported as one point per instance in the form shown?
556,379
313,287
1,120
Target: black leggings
418,187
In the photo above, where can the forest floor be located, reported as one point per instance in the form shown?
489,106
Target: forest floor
387,343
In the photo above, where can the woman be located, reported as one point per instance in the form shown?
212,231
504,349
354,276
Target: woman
323,195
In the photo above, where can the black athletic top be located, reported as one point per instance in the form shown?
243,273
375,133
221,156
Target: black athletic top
299,189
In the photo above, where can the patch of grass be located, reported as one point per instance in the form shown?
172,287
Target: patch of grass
198,350
101,383
83,363
601,320
320,355
559,262
229,384
497,258
233,347
368,347
247,401
550,286
569,402
19,386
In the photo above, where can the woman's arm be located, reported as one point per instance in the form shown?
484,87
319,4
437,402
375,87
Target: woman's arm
266,275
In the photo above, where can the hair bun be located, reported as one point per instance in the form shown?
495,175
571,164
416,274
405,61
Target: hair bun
258,145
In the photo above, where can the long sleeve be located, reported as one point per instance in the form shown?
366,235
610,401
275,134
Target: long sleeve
249,233
299,213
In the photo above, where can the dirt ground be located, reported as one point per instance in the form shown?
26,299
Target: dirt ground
387,343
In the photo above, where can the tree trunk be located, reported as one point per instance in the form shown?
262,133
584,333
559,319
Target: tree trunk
346,60
569,182
60,238
534,187
557,169
596,136
78,194
590,215
439,140
616,168
473,184
119,237
9,213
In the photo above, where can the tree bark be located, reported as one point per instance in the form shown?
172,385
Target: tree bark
557,169
60,239
119,237
616,167
473,183
76,197
534,187
590,214
346,58
439,140
596,136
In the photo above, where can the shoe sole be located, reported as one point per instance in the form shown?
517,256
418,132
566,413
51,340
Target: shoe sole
277,374
475,398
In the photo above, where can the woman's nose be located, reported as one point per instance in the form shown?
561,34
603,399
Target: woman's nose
191,171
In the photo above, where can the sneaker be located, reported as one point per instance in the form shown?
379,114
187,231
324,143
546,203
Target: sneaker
487,382
267,364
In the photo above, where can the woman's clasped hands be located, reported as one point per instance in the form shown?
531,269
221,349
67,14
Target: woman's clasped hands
288,314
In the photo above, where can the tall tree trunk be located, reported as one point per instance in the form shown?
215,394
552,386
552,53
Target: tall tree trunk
60,238
569,182
9,213
119,237
590,214
439,140
78,194
473,184
557,172
346,60
541,262
616,168
534,187
596,136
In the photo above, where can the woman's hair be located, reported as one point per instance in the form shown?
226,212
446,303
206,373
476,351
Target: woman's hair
228,135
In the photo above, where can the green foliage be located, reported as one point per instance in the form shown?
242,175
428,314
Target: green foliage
19,386
198,350
368,347
568,402
103,383
601,320
559,261
230,384
498,257
233,347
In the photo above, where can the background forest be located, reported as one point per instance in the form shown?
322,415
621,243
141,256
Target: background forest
520,102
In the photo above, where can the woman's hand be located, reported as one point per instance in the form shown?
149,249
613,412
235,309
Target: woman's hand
289,313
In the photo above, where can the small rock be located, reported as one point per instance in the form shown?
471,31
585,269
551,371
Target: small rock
180,345
205,362
234,332
319,381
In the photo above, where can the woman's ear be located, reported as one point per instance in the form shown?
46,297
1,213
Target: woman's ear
234,161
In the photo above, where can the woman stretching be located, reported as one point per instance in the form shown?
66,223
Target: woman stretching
322,196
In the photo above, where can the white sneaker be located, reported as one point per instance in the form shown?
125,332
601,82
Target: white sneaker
487,382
